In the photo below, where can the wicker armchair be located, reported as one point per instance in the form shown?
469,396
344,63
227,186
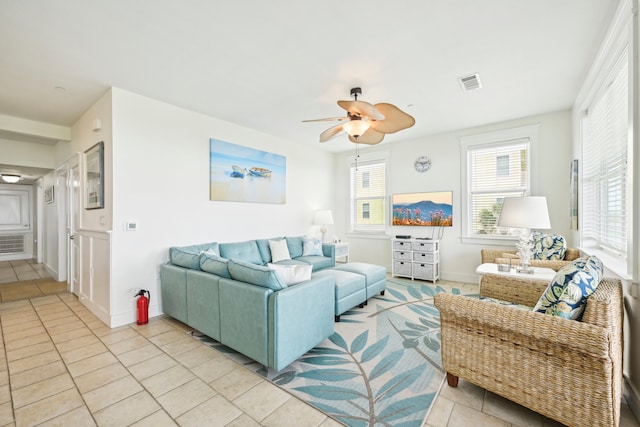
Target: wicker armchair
497,256
567,370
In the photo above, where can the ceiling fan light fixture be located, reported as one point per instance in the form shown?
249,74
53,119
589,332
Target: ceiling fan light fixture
10,178
356,126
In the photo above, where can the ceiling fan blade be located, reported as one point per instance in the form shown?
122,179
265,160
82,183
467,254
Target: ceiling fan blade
328,119
363,109
370,137
395,119
331,133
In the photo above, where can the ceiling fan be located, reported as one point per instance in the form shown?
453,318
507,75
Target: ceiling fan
366,123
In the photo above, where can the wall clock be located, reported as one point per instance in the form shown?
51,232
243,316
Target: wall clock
422,164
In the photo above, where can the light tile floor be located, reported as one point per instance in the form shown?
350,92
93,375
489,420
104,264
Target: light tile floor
60,365
26,279
28,269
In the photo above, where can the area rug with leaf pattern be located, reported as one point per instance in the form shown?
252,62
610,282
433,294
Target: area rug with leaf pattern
381,367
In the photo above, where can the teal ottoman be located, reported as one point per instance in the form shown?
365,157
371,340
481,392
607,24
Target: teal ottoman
375,275
349,290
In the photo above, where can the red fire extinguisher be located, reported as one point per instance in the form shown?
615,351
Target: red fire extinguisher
143,306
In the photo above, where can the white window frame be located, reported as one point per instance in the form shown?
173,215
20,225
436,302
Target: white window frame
620,36
486,140
364,158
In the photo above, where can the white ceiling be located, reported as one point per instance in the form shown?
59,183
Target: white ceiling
268,65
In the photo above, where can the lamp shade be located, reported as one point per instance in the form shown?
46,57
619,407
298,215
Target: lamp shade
525,212
356,127
323,218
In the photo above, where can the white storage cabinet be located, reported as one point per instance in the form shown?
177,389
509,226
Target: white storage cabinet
416,259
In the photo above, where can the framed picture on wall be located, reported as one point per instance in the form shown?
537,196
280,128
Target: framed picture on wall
48,194
94,177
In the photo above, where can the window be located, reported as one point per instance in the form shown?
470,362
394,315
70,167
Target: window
502,166
366,211
605,193
495,165
365,180
368,194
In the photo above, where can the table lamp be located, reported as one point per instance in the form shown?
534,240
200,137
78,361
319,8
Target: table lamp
323,218
525,213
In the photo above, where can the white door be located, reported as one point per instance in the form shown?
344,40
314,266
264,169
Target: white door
73,224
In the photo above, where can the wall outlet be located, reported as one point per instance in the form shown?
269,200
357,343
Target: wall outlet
131,225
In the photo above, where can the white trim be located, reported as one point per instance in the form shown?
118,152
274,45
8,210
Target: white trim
615,40
489,139
364,158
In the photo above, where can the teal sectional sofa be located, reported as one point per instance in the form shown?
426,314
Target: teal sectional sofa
226,291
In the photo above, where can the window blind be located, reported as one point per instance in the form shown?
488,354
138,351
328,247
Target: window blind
368,196
495,171
604,164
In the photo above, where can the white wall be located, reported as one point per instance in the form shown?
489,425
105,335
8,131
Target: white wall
160,180
550,166
29,154
50,228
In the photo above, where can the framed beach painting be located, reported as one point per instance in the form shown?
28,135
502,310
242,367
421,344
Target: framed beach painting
243,174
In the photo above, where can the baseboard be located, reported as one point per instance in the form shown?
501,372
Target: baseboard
94,308
132,316
633,398
460,277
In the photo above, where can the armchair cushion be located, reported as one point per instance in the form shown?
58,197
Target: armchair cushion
506,303
567,293
548,246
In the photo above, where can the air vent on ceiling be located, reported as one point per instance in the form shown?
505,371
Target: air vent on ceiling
11,244
470,82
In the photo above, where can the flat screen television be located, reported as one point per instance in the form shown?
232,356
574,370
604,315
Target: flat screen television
430,209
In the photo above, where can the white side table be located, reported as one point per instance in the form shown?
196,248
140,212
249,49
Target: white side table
342,250
538,272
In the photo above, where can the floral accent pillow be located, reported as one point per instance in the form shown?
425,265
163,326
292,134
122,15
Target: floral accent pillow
311,246
566,295
548,246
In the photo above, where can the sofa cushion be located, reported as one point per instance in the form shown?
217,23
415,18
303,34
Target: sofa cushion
292,274
295,246
245,251
548,246
318,262
279,250
265,251
566,295
258,275
212,263
189,256
311,246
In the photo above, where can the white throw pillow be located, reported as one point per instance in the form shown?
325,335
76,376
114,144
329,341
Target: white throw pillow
279,250
292,274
